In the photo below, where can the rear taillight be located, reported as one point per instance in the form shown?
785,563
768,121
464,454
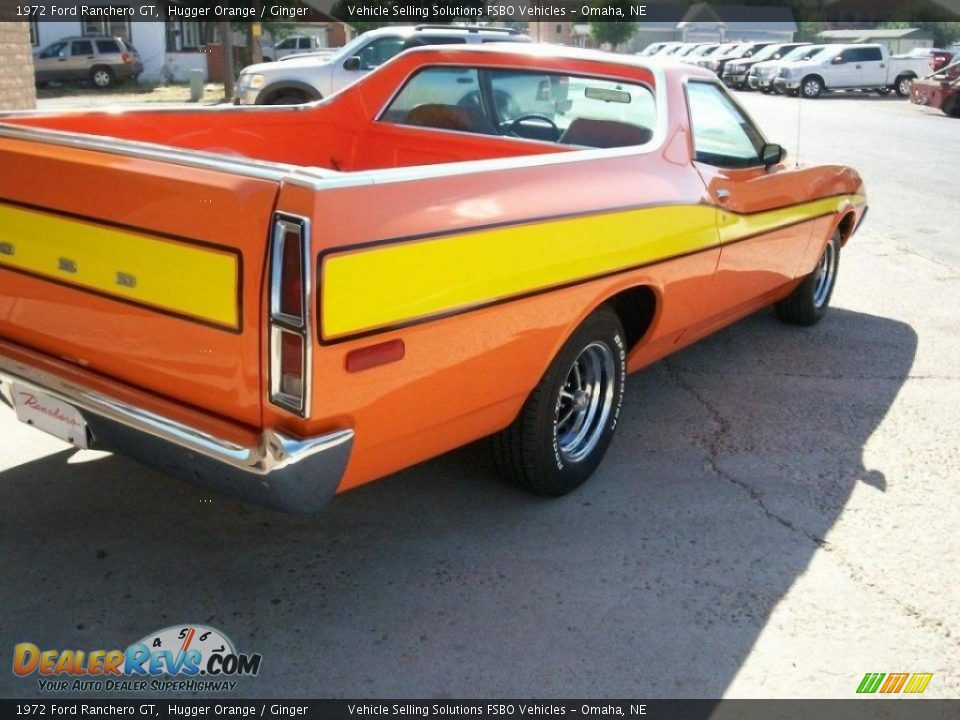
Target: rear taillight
289,320
125,57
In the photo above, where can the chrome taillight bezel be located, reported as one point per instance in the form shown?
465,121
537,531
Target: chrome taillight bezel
280,322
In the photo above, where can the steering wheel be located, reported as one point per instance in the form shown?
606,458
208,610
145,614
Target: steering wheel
513,125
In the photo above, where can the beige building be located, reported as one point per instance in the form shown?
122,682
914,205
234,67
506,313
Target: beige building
17,91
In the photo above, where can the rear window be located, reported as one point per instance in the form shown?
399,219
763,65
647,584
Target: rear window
106,47
530,105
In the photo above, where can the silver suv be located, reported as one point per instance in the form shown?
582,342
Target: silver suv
100,59
310,78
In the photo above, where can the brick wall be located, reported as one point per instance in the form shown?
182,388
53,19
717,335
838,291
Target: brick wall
17,91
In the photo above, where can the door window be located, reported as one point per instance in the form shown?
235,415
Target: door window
82,47
56,50
379,51
722,134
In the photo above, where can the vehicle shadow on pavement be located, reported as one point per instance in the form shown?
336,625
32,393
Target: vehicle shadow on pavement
733,460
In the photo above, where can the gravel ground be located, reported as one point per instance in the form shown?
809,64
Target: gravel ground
776,517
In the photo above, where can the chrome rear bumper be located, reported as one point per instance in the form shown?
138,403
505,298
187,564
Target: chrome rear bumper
294,475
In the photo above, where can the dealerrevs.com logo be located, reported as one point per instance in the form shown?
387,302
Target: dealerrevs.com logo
179,658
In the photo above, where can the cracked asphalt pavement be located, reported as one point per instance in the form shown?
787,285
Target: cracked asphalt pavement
776,517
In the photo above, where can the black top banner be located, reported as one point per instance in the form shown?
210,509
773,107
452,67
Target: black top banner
166,709
420,11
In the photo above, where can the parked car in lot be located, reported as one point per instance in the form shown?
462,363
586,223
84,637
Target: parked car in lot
699,52
851,67
940,90
938,58
718,51
762,75
100,59
735,71
740,52
292,46
654,48
285,302
311,78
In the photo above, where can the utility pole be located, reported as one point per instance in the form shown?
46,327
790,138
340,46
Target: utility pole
226,39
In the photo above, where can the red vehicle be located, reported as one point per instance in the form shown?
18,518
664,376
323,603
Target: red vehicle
940,90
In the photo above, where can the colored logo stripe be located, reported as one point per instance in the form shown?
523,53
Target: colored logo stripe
918,682
894,683
170,275
395,283
871,682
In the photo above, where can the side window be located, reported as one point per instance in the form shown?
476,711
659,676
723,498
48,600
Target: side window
81,47
107,47
287,44
435,40
56,50
379,51
442,98
871,54
851,55
722,135
304,43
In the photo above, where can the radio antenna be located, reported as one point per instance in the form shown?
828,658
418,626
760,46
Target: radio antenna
799,121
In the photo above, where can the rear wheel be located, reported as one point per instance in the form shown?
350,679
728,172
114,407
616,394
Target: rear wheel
291,96
951,106
102,77
568,420
903,85
808,303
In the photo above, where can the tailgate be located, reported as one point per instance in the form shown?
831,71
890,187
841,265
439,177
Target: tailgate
139,269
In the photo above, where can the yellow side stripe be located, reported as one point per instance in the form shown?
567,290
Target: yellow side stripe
735,227
191,280
389,284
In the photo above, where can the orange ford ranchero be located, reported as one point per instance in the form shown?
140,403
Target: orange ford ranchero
280,303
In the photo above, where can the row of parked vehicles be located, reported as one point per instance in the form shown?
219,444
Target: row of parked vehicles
805,68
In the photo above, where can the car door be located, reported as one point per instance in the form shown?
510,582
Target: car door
370,56
844,69
873,68
51,63
81,58
761,245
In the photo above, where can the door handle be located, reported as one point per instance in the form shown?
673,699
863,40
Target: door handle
61,59
858,67
722,194
91,57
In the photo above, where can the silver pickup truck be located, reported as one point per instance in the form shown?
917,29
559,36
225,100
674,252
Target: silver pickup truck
851,67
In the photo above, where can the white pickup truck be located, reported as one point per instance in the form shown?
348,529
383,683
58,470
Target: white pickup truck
301,80
293,45
851,67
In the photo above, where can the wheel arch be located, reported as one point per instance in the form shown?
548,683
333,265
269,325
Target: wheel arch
846,226
281,85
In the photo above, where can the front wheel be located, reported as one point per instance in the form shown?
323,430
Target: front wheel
808,303
811,87
568,420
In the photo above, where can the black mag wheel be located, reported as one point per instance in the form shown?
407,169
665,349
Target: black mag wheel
809,301
567,422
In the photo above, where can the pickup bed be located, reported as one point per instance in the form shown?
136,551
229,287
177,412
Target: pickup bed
284,302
